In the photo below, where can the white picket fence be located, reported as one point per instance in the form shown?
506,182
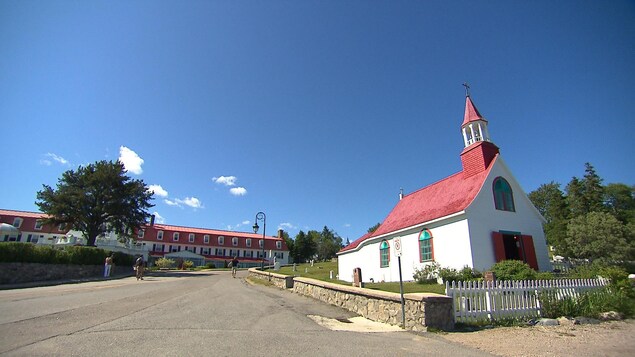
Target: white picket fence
480,300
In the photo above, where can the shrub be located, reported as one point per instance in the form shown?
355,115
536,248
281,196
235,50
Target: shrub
428,274
591,303
188,264
210,265
513,270
164,263
465,274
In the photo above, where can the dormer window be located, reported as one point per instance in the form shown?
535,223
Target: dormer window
206,239
503,196
191,237
248,242
176,236
221,240
278,245
235,242
140,233
17,222
38,225
160,235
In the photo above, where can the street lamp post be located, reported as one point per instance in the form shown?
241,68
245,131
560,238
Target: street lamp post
260,216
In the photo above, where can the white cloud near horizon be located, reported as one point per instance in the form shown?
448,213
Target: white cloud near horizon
238,191
230,227
55,158
287,226
130,160
158,218
225,180
158,190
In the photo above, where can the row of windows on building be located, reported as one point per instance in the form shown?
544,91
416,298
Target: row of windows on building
206,239
30,238
17,223
425,249
221,252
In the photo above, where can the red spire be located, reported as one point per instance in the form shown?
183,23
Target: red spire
471,113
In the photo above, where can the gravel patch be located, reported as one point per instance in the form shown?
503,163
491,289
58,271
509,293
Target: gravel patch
616,338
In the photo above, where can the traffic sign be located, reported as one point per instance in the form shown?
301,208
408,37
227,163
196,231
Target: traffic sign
397,243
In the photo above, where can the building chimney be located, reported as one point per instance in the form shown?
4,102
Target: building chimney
280,231
151,220
400,194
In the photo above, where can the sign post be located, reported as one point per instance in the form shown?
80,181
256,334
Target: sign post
397,243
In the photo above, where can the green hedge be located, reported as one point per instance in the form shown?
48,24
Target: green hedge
15,252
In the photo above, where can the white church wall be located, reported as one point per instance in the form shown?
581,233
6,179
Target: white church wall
484,218
451,246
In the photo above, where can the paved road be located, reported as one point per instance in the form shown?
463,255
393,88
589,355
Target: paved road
190,314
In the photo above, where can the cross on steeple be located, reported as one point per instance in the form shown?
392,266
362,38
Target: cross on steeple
467,89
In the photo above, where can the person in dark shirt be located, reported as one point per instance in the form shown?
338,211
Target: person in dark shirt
234,266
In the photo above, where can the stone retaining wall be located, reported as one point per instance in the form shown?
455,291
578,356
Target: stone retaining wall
422,310
16,273
279,280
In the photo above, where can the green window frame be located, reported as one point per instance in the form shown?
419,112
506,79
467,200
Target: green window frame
384,254
426,251
503,195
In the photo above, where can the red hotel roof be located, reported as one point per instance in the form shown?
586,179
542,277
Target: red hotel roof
442,198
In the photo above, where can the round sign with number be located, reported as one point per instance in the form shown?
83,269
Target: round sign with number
398,246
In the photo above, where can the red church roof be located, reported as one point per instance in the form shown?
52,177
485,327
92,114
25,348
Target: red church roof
450,195
471,113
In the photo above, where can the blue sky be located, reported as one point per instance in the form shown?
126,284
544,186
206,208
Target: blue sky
315,112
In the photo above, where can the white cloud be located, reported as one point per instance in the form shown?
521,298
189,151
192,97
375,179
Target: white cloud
246,223
225,180
158,218
347,225
55,158
191,201
158,190
170,203
287,226
238,191
188,201
130,160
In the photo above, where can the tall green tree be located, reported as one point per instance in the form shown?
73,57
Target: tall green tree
96,199
373,228
619,200
328,244
587,194
599,235
304,247
551,203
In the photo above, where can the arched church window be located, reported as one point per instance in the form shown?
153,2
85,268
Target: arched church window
503,196
384,254
425,246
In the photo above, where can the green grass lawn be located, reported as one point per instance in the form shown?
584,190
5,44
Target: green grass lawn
321,271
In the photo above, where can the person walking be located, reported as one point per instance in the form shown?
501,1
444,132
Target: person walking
234,266
108,266
139,267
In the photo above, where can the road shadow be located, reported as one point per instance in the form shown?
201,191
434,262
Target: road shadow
178,274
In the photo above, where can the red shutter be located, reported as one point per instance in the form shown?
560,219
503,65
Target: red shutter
499,246
530,252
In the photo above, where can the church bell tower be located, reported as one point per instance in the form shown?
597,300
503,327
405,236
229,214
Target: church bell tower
479,151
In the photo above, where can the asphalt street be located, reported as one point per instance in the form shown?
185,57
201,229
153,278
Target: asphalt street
194,314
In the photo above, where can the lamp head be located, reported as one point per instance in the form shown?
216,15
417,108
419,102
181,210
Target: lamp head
256,227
